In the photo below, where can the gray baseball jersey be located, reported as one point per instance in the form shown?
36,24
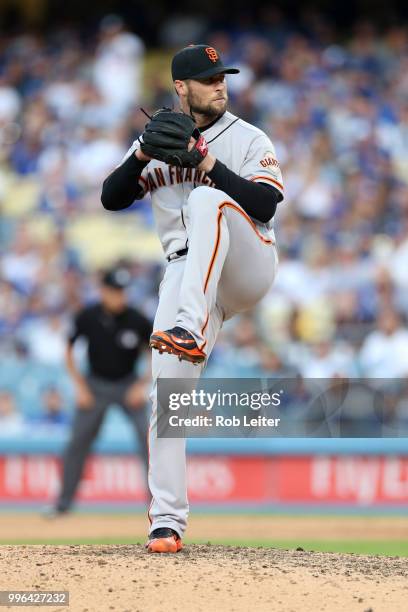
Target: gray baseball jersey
242,147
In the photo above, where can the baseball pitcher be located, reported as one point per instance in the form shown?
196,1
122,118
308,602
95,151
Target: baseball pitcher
215,183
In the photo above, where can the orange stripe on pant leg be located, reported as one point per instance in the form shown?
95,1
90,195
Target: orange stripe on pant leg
247,218
203,330
148,470
217,242
210,267
215,251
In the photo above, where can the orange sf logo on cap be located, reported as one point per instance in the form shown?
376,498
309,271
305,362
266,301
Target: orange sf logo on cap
212,54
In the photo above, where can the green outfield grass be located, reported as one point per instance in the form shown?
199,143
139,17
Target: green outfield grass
362,547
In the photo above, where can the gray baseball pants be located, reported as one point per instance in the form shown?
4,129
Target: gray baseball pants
230,266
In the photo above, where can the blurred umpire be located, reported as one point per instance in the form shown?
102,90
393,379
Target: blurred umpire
116,334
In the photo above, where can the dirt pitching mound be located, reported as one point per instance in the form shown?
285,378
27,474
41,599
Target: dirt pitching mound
206,578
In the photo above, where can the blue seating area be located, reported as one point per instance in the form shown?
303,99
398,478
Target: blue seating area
26,381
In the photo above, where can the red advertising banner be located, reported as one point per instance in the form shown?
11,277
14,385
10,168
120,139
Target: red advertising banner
349,480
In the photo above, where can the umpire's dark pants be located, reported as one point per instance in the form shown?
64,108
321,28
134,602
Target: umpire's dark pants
86,425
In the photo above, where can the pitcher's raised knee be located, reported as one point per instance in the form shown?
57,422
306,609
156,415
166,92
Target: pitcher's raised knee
203,198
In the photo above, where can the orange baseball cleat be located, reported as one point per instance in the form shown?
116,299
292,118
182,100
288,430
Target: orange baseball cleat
164,540
177,341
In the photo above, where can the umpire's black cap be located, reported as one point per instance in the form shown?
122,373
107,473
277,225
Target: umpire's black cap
117,278
198,62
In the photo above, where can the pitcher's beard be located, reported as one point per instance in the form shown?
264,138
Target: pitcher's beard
208,111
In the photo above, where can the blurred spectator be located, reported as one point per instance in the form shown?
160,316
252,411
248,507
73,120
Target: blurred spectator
240,352
45,340
20,266
11,421
10,102
384,353
95,157
272,365
53,408
118,66
327,360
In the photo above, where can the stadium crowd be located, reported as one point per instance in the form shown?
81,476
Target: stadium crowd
337,112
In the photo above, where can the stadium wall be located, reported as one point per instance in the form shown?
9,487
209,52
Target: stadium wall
353,474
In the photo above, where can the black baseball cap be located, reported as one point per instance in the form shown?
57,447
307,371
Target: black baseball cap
198,62
117,278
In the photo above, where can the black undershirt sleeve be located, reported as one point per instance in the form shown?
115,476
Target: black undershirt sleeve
121,188
257,199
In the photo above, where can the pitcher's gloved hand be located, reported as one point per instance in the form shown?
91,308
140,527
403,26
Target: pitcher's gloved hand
167,138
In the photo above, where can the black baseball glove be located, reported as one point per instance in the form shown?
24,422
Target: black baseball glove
167,138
